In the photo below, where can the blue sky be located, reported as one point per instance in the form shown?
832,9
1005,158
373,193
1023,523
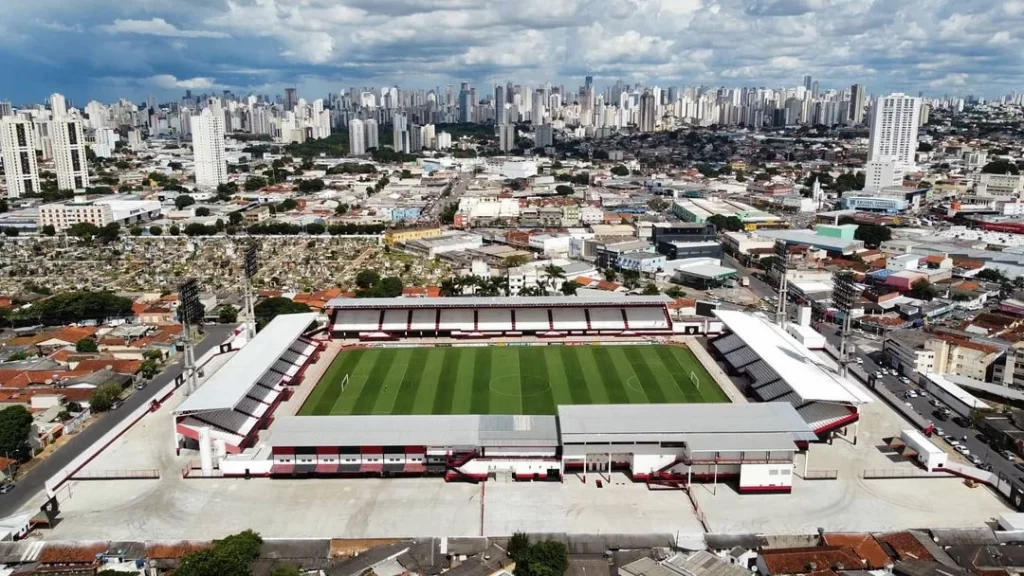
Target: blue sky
106,49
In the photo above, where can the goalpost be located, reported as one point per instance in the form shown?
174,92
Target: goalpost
344,382
695,380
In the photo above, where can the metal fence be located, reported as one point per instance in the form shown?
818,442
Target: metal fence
821,475
147,474
897,473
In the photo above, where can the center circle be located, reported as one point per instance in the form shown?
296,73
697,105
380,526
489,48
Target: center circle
521,386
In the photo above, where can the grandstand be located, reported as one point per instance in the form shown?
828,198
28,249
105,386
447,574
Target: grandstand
778,368
484,317
240,398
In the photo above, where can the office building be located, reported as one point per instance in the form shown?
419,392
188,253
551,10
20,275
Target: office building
69,153
500,113
857,104
356,138
109,210
372,134
894,124
106,142
544,135
807,82
18,147
647,112
537,113
58,106
6,109
291,99
211,164
465,104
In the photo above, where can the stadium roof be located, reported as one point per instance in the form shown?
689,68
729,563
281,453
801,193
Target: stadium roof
703,423
237,376
416,430
809,376
494,302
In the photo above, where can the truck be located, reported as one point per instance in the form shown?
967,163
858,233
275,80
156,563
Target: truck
745,281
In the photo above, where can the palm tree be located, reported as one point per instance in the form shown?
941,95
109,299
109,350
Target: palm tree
449,287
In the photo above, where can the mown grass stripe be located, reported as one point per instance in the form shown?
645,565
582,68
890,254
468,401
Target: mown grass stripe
610,377
405,395
427,389
375,382
480,387
322,400
558,377
683,361
578,390
446,381
534,384
648,381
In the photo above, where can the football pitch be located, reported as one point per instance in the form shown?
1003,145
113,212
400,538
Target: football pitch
507,379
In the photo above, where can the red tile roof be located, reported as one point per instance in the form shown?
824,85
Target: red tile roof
116,364
609,286
906,546
810,560
72,553
865,546
174,551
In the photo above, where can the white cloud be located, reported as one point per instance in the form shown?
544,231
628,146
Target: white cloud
157,27
170,82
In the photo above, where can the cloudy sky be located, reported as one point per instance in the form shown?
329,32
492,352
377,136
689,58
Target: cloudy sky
106,49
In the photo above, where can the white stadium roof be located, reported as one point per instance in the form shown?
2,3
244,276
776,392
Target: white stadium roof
226,388
494,302
809,376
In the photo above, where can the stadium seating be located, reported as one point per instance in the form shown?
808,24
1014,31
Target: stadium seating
821,416
569,319
252,407
459,319
229,438
424,320
646,318
606,319
357,321
494,320
532,320
395,320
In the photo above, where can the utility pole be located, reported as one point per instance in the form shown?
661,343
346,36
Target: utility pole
250,266
781,268
190,313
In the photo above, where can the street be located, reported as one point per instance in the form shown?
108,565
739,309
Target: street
33,482
870,352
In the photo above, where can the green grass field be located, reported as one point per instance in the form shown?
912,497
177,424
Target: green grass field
508,380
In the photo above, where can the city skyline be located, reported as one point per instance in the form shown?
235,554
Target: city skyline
101,50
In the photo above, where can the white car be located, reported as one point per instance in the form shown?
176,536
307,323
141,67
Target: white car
939,432
952,442
860,360
963,450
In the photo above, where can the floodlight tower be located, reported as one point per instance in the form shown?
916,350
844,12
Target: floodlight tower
190,313
250,267
781,267
844,292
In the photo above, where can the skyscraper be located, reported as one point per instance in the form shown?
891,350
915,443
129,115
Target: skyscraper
69,153
400,133
647,112
465,104
857,104
894,123
18,147
372,133
356,138
208,147
58,106
6,109
507,137
291,99
500,114
807,82
537,113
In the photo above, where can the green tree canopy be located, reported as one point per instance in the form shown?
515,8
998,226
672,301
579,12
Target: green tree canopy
102,398
923,290
1000,167
182,201
84,230
202,211
564,190
87,346
253,183
15,426
873,234
232,556
69,307
620,170
268,309
227,315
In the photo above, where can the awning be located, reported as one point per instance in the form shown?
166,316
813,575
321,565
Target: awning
281,469
327,468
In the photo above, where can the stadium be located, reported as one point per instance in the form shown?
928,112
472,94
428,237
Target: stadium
473,389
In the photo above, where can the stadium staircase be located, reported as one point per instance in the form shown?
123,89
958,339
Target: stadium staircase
408,323
513,312
454,463
380,322
551,320
668,318
625,320
437,321
587,314
476,320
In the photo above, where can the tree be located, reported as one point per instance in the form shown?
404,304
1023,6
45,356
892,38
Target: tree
658,204
227,315
514,261
109,233
620,170
923,290
651,289
726,223
15,426
49,230
564,190
873,234
518,546
202,211
155,230
232,556
1000,167
365,279
4,206
270,308
183,201
631,278
546,558
84,230
149,368
315,185
102,398
610,274
235,218
569,287
87,346
174,230
253,183
226,191
287,205
135,230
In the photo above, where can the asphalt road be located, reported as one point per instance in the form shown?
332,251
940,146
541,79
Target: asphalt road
925,405
458,189
34,481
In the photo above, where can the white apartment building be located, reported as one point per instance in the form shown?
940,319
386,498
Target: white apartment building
894,124
400,132
886,173
590,215
356,138
1000,186
69,153
18,148
106,140
372,133
64,215
211,164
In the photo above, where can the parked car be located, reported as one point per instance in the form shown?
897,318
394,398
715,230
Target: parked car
962,449
939,432
952,441
985,466
975,460
4,489
1008,455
